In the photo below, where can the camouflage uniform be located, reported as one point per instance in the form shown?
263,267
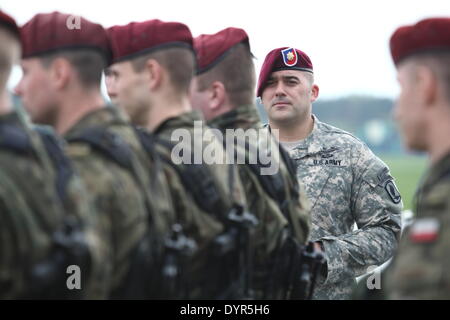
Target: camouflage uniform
272,221
35,204
150,176
118,194
201,226
420,269
346,184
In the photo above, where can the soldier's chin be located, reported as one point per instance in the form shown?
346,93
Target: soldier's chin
281,115
40,119
414,145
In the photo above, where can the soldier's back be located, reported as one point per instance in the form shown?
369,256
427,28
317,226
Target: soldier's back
204,195
46,223
145,270
101,158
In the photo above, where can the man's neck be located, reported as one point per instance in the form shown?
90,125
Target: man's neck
439,142
224,108
290,132
5,102
164,109
74,107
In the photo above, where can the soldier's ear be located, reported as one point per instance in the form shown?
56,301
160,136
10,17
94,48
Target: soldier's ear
217,95
427,83
154,73
61,72
314,92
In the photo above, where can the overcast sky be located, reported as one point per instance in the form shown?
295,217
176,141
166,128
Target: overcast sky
346,40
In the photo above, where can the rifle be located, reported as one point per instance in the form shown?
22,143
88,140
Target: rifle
304,270
178,247
47,278
237,238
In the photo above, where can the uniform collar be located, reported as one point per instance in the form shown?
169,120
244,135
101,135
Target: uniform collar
438,171
102,117
11,117
316,142
243,117
311,143
184,120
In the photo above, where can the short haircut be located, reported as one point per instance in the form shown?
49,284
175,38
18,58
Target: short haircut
237,72
88,63
9,54
310,77
439,64
178,62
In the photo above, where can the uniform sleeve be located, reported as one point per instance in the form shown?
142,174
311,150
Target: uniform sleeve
420,269
303,215
376,207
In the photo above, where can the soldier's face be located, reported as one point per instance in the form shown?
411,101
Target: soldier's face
409,112
110,78
37,91
127,90
9,55
288,95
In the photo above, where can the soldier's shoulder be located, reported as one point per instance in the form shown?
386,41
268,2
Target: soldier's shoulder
345,139
339,136
18,153
436,198
361,157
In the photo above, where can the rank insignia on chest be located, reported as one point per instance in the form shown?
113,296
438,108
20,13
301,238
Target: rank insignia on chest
424,230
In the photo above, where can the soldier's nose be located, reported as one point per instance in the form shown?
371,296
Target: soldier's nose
279,90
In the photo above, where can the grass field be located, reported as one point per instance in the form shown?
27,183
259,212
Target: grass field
407,171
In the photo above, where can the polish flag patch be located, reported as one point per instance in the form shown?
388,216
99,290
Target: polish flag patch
424,230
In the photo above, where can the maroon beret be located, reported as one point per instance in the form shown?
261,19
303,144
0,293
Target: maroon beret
212,48
138,38
49,32
426,35
9,23
283,59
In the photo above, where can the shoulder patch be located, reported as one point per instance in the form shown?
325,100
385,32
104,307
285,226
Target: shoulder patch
393,192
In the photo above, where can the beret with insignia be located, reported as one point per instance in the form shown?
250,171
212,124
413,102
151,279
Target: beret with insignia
49,32
283,59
